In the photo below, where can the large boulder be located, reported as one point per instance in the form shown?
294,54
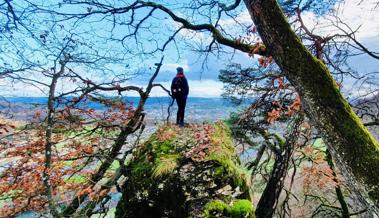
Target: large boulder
186,172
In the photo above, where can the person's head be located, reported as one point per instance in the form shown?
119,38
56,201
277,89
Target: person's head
179,70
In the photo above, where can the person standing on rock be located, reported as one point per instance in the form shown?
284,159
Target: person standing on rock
179,91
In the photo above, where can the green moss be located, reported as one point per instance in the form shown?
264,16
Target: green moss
155,158
216,208
219,171
141,166
165,147
242,209
226,156
231,170
165,164
239,209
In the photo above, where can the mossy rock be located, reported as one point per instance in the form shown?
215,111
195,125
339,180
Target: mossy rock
188,172
238,209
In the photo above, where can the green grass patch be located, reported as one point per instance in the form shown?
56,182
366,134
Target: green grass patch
76,179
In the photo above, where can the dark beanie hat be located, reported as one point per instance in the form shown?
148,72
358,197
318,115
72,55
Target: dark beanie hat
179,69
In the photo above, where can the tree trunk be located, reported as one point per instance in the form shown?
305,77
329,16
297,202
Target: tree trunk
49,142
352,146
269,199
340,197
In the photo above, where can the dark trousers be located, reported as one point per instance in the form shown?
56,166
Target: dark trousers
181,101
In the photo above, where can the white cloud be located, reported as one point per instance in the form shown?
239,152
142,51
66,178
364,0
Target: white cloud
228,24
19,89
194,36
362,13
198,88
355,13
243,18
173,66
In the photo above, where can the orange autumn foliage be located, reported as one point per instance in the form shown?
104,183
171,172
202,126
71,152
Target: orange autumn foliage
273,115
6,126
78,144
279,111
21,182
201,135
265,61
294,107
318,173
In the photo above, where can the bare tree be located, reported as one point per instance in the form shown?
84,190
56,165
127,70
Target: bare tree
351,145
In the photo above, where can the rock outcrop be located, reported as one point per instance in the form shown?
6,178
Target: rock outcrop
188,172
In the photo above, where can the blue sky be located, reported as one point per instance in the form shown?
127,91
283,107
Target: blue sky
203,78
356,13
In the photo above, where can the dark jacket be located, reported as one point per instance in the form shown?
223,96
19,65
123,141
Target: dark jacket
185,88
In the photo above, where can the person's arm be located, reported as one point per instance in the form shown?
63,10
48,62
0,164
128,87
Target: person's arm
186,86
172,87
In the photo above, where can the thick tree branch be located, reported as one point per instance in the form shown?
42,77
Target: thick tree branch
132,126
349,141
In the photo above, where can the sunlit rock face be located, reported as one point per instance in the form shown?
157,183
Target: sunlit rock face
186,172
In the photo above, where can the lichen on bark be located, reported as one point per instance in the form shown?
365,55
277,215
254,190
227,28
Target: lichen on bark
351,145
